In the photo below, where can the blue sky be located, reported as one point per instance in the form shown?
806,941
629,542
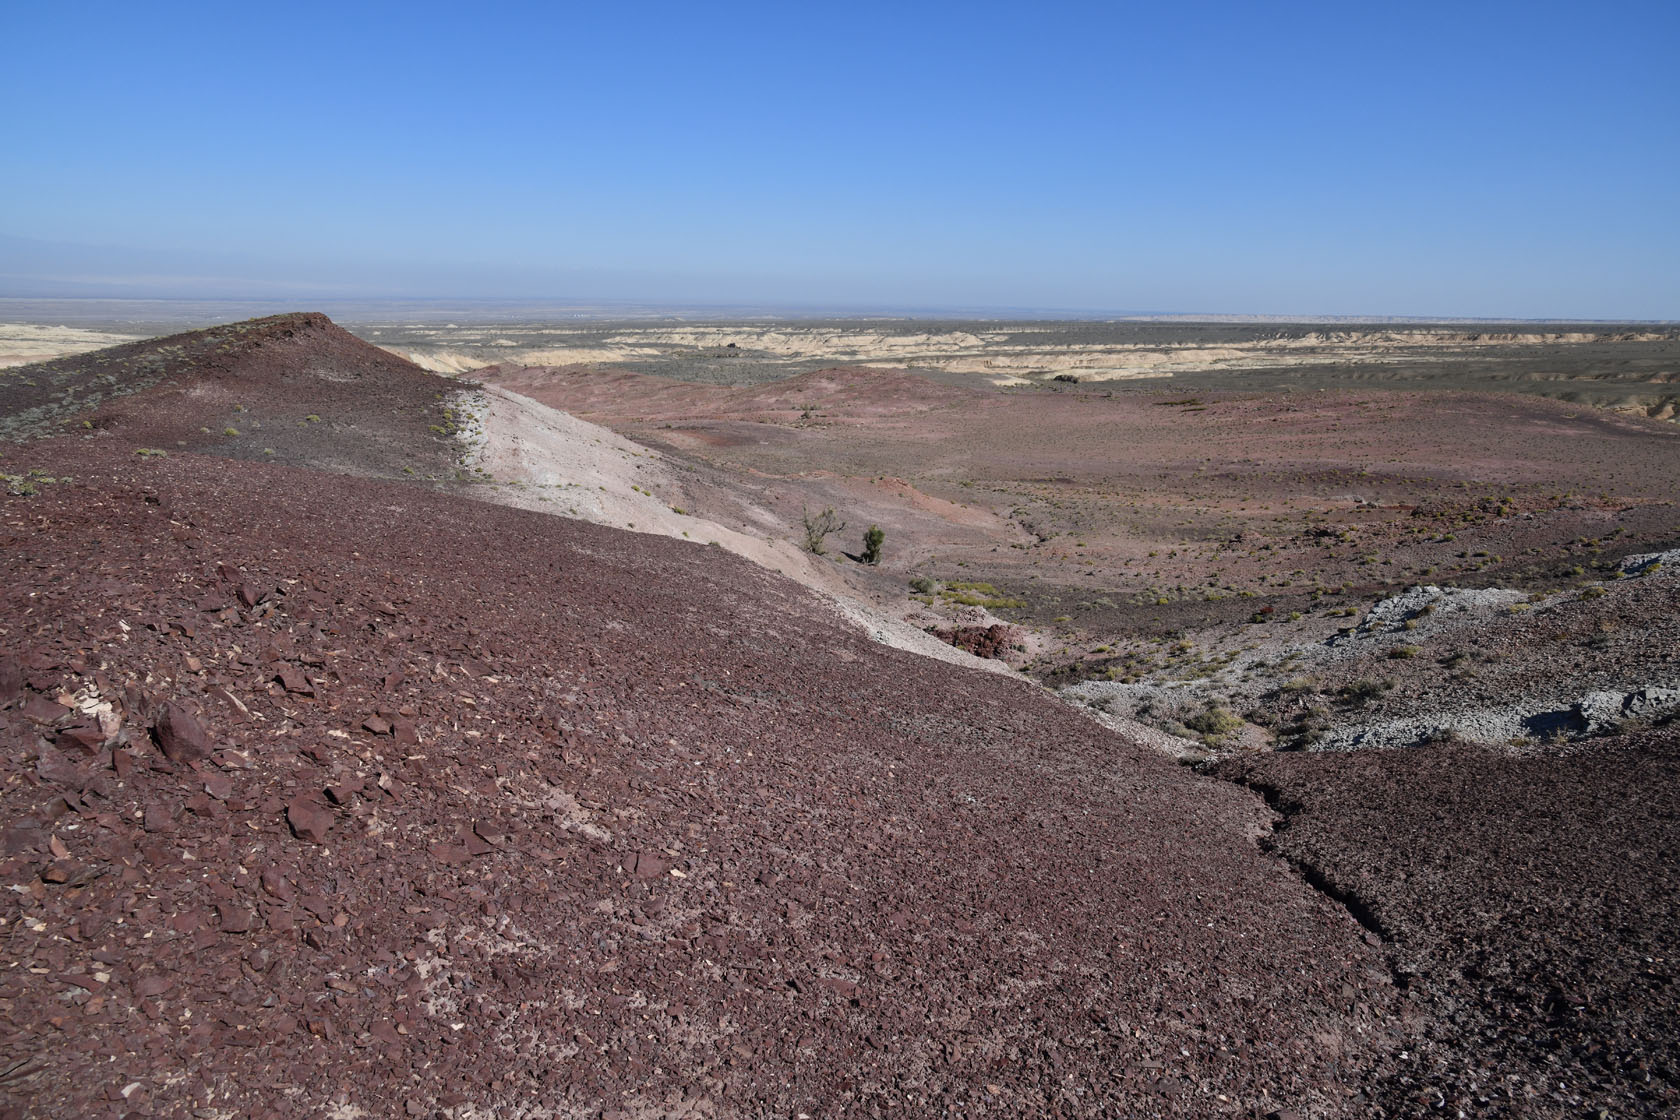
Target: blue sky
1481,159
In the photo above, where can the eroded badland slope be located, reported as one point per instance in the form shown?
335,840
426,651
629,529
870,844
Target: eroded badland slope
327,794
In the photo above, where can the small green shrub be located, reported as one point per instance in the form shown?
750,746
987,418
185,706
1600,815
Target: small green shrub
1402,653
971,593
1215,724
25,485
819,525
1362,691
872,541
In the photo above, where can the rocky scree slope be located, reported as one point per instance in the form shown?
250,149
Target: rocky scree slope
326,798
1529,903
1488,665
290,388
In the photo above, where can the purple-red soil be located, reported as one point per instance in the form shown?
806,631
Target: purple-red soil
499,809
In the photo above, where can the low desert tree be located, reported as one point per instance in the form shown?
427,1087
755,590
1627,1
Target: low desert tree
872,541
818,526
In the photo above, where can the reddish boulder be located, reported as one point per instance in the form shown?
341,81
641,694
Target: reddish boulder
179,735
293,681
153,985
83,738
276,885
234,918
41,710
982,641
309,819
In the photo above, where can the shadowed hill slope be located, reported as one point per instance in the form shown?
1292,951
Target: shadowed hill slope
363,796
294,388
1530,902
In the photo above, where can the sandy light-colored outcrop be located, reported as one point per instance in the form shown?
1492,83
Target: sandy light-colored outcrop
1002,356
23,343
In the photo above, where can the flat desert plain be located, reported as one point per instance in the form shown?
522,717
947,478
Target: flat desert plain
1331,466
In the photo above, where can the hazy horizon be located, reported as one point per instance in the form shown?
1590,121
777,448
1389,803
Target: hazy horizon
208,310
